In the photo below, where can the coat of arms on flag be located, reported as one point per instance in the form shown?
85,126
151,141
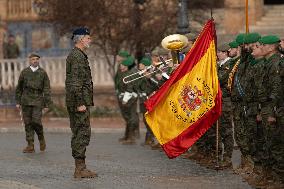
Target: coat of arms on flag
189,102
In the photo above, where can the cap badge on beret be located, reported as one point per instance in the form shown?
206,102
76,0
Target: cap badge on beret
81,31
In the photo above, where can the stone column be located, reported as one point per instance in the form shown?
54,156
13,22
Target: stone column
2,37
3,16
234,21
255,11
234,16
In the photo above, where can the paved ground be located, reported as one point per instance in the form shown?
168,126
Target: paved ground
61,125
118,166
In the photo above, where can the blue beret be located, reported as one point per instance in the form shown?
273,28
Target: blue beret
81,31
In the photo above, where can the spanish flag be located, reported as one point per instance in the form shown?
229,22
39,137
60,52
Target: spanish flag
189,102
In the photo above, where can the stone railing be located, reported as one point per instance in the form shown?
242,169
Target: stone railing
20,10
55,68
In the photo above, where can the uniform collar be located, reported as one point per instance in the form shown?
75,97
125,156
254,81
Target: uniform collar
224,61
81,52
34,68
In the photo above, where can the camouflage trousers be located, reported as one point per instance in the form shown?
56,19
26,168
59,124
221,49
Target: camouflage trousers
241,131
32,120
143,110
253,139
130,115
207,143
204,145
274,146
81,131
225,128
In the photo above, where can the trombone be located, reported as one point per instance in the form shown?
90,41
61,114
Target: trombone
149,70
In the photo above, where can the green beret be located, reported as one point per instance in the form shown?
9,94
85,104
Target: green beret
34,55
233,44
224,47
269,39
123,54
128,61
146,61
251,38
240,39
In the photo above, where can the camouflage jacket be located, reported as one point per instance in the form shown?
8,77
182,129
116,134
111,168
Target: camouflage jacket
11,51
78,83
33,88
281,65
240,78
272,84
223,76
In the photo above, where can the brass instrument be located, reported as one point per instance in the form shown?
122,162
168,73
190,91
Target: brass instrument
175,43
149,70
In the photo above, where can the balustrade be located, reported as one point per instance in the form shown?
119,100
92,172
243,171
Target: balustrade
10,70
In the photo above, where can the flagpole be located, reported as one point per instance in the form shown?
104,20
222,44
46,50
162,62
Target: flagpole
247,24
217,146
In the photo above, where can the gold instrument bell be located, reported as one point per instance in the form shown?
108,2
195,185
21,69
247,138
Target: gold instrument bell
175,42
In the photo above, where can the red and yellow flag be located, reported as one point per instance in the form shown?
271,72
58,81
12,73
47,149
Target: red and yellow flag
189,102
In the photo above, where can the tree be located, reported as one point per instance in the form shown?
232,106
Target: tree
134,25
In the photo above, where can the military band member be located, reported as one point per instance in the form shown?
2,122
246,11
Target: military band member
144,89
32,96
127,99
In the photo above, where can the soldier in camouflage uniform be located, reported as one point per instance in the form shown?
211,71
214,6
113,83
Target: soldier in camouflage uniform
253,86
32,96
271,102
226,131
244,104
280,121
127,99
11,49
79,98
